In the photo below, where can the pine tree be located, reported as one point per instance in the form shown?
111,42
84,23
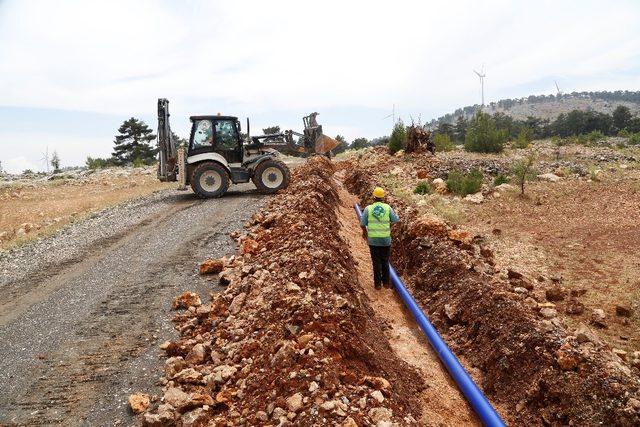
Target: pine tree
133,143
342,144
358,143
398,138
178,140
621,117
482,135
55,162
460,129
271,129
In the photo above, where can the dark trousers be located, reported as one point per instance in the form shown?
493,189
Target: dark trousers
380,258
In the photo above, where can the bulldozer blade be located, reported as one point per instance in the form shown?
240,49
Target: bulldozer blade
324,144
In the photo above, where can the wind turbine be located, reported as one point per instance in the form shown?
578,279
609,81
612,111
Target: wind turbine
482,75
558,89
393,114
45,158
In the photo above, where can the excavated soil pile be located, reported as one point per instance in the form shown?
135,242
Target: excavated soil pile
292,340
529,363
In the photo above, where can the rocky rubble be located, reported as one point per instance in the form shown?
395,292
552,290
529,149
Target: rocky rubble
292,340
77,173
504,326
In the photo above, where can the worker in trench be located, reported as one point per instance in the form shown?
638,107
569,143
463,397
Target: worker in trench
376,223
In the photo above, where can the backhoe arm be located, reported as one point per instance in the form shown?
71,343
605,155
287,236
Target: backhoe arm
167,156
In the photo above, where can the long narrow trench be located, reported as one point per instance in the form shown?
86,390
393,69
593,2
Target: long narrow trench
442,402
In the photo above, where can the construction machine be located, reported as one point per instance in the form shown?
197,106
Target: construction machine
217,154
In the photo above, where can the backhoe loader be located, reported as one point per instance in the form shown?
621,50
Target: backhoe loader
217,155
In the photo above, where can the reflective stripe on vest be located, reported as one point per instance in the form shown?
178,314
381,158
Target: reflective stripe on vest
379,220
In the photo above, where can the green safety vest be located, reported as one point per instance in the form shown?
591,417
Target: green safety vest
379,226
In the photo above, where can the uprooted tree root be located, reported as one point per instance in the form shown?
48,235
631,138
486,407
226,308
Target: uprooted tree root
532,367
292,339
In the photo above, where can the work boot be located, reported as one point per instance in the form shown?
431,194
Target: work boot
378,286
387,285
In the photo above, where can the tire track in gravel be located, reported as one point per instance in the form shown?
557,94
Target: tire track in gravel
83,335
32,289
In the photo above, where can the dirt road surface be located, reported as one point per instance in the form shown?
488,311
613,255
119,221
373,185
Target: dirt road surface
83,311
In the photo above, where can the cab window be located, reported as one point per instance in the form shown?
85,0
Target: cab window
226,135
202,134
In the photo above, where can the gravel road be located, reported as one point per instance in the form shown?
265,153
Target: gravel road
83,311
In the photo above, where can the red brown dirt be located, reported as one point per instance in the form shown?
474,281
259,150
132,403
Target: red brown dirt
293,339
441,401
582,234
531,366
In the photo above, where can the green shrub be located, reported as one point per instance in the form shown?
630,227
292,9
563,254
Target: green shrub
138,162
624,133
595,136
482,135
524,170
398,139
443,142
97,163
634,138
423,187
579,139
464,184
500,179
525,136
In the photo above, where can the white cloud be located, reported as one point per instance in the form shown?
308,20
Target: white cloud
33,145
18,165
256,58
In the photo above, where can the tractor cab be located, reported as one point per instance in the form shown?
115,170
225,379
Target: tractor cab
216,134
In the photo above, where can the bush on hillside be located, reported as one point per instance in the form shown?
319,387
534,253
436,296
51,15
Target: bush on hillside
483,136
464,184
423,187
98,163
524,171
525,136
500,179
595,136
443,142
398,138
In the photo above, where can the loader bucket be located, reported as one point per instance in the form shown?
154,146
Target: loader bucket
324,144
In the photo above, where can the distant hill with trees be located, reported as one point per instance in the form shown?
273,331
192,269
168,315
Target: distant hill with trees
549,107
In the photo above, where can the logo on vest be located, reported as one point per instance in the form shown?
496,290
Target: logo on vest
378,211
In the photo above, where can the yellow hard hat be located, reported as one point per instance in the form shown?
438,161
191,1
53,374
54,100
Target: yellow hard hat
378,193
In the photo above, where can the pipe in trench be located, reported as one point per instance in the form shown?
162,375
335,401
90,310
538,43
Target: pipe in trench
467,386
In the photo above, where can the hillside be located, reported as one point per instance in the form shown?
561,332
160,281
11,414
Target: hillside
551,106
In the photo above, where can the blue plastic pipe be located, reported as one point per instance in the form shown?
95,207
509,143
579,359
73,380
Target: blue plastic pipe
469,389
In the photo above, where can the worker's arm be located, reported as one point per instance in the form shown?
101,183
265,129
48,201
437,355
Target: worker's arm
393,217
364,221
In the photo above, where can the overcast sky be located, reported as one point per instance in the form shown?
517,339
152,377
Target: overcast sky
72,71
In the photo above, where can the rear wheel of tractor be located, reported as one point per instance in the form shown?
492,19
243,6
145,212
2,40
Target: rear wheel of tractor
210,180
271,176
